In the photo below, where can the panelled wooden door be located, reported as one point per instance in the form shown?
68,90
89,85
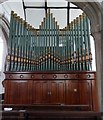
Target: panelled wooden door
48,92
19,92
57,92
72,92
78,92
85,88
25,92
13,94
40,92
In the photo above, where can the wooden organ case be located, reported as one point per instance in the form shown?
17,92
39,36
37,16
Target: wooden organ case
75,89
50,66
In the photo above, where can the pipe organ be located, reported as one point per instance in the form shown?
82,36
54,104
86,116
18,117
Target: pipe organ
50,65
49,48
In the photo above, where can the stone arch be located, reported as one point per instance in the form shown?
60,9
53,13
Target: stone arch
4,34
4,25
93,11
4,30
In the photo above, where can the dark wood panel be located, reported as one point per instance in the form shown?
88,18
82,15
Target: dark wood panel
18,92
40,92
85,92
94,95
25,92
79,93
57,92
6,85
13,92
72,92
49,92
76,89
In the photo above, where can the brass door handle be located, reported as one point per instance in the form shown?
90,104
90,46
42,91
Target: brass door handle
49,93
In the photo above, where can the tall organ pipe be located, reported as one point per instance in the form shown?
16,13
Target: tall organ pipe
49,48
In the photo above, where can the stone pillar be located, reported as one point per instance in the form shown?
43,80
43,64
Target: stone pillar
97,32
99,67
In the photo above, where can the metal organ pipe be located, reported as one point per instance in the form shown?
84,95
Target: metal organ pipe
49,48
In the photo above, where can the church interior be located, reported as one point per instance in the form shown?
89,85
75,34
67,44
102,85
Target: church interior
51,60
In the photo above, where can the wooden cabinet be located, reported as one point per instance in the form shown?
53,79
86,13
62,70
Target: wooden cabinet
74,89
78,93
18,92
48,92
57,92
40,89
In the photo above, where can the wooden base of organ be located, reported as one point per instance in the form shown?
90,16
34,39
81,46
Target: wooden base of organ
75,89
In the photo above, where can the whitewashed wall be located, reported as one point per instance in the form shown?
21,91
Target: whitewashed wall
2,62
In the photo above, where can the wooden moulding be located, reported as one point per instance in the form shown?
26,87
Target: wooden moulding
50,75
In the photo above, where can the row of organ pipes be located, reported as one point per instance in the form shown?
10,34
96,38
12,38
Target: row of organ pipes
49,48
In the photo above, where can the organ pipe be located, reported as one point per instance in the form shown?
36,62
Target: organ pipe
49,48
